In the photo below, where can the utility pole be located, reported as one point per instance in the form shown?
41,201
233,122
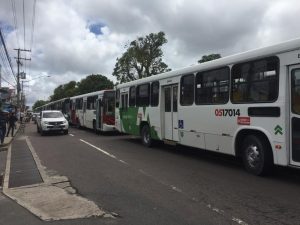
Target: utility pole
18,75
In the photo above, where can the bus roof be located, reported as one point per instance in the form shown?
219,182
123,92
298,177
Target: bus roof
91,94
236,58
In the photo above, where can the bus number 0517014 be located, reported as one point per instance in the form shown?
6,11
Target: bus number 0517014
227,112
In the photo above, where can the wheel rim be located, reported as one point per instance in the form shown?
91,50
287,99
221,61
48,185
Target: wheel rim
253,156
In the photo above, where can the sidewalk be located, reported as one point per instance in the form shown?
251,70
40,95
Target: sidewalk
3,152
8,140
49,197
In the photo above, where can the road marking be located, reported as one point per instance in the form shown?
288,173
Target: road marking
71,135
99,149
122,161
174,188
239,221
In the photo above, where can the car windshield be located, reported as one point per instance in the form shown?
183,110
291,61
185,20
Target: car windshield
52,115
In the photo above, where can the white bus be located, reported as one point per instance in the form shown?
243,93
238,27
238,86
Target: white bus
94,110
246,105
62,105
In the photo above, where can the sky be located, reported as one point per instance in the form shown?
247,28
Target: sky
75,38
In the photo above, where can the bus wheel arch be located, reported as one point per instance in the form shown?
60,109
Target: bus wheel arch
145,133
254,148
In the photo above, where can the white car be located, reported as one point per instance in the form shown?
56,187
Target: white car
52,121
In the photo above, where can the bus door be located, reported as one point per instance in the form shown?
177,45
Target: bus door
124,110
295,115
84,113
99,112
73,112
170,112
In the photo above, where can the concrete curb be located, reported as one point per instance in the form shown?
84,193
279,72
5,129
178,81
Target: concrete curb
54,199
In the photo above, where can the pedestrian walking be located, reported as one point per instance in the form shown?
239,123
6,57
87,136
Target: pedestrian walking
3,120
11,124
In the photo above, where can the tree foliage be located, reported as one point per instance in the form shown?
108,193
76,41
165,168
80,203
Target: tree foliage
94,83
143,58
64,90
91,83
39,103
210,57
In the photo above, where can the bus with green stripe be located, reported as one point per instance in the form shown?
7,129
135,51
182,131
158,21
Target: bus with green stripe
246,105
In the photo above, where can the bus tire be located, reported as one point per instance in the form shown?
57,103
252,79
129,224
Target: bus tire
146,136
257,155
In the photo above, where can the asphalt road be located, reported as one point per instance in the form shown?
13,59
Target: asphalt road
167,184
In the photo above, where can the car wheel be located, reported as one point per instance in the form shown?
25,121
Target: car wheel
37,129
66,132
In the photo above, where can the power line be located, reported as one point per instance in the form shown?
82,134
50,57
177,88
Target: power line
32,30
7,81
33,23
6,52
13,5
24,26
4,64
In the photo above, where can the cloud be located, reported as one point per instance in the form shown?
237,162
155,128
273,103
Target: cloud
75,38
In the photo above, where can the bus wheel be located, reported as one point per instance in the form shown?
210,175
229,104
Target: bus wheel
146,136
257,155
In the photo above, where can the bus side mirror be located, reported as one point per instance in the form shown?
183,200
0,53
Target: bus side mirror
117,104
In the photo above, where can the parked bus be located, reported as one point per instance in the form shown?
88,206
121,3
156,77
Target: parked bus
63,105
94,110
246,105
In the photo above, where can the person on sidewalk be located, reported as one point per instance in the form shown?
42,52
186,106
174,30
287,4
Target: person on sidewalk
11,124
3,120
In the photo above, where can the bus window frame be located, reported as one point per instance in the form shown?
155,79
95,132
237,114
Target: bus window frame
228,86
251,62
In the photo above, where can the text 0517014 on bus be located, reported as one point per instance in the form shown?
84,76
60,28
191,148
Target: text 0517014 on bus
247,105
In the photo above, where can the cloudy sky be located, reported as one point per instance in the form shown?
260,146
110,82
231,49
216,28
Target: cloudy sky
75,38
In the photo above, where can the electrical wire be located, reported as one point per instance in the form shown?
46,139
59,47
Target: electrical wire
24,22
13,5
24,27
33,23
6,53
32,31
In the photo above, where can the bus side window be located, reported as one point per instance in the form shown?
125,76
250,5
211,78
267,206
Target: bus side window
187,89
155,93
212,87
143,95
255,81
296,91
132,96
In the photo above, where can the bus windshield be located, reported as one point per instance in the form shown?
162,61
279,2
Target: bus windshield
52,115
109,103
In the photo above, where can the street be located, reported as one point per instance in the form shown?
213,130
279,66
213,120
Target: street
163,184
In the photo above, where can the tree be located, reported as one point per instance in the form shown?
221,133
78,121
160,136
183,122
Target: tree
210,57
143,58
39,103
64,90
94,83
